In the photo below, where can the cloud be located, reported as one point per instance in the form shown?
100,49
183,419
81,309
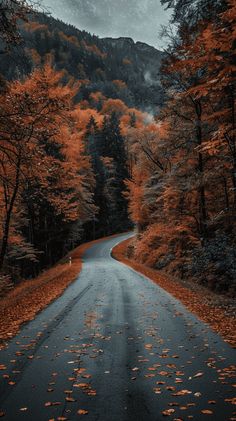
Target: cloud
138,19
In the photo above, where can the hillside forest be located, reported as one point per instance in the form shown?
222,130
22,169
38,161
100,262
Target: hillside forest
101,136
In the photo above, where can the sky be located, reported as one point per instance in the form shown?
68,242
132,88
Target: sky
138,19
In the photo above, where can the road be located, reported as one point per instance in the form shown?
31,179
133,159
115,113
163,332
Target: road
118,346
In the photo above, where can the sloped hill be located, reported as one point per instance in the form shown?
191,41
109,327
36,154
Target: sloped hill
86,57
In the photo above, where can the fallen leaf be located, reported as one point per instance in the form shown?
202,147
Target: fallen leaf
82,412
81,385
157,390
3,367
168,412
68,399
206,411
231,400
197,394
182,392
198,375
148,346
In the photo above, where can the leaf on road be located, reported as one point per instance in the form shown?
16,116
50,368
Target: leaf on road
168,412
197,394
198,375
81,385
68,399
52,404
148,346
182,392
231,400
2,367
82,412
206,411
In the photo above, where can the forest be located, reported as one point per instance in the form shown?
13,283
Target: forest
101,136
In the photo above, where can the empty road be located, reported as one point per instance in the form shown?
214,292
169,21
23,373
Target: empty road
116,347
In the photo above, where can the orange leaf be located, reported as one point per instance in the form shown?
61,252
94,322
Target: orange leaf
206,411
168,412
82,412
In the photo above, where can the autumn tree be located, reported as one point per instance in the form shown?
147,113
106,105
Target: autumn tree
37,162
11,12
185,204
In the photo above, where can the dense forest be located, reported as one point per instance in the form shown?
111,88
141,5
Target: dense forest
100,135
183,190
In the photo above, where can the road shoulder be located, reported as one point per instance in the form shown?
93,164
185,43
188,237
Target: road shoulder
211,308
30,297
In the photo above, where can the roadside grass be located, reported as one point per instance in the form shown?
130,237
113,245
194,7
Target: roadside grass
217,311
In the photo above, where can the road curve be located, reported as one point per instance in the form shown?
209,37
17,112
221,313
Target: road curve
118,346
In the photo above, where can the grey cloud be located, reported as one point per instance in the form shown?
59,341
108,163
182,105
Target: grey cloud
138,19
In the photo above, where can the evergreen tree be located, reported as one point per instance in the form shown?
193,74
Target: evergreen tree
114,147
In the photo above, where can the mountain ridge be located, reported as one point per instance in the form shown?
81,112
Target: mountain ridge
84,56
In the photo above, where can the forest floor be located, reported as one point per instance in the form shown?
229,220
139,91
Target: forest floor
219,311
30,297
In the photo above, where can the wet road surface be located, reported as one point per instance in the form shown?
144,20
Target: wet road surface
116,347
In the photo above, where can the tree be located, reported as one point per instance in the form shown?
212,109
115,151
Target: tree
41,157
11,11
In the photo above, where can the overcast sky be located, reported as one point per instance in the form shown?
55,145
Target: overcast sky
138,19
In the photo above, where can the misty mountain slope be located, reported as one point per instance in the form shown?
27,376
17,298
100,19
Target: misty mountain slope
86,57
139,19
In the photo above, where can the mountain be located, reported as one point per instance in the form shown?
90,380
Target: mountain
139,19
98,62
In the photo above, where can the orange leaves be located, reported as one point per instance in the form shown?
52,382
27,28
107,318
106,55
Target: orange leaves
207,412
182,392
114,105
148,346
47,404
81,385
168,412
29,297
47,157
82,412
194,300
70,399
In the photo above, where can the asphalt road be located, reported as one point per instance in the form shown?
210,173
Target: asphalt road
118,346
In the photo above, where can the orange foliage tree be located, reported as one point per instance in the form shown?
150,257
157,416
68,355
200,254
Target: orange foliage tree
183,191
40,153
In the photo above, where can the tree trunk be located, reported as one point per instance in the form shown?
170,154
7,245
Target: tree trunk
7,223
202,194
